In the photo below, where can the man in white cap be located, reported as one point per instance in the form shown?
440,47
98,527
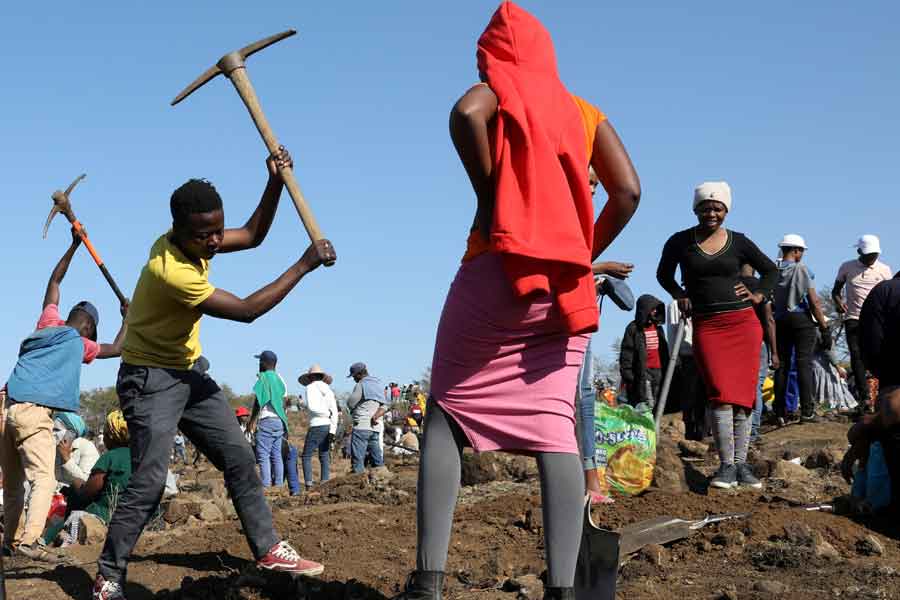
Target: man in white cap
797,311
854,281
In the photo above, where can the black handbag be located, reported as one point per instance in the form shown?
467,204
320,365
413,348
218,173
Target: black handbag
598,561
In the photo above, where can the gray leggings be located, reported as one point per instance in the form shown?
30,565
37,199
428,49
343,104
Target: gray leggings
562,489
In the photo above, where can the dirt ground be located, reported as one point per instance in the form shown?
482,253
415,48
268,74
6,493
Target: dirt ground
362,527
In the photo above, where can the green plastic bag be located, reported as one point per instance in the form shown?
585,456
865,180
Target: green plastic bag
625,447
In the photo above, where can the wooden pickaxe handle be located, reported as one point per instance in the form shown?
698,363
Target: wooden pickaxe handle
79,229
245,90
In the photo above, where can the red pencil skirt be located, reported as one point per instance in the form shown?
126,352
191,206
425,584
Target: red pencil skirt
727,347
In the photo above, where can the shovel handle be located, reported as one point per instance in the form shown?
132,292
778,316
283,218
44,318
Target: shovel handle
245,90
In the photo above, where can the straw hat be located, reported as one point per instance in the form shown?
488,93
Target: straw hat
314,370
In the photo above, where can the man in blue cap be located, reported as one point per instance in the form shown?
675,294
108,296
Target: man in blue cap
269,421
46,378
367,407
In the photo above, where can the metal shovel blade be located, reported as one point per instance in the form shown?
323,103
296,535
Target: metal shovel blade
598,561
665,529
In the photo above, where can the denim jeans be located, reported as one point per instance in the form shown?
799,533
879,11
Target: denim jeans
290,471
156,402
316,442
361,443
586,398
269,434
758,408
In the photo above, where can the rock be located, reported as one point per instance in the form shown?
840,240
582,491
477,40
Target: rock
772,588
870,546
180,509
761,467
823,549
668,475
789,471
823,458
704,546
729,593
799,534
654,554
478,468
527,587
693,448
91,530
209,512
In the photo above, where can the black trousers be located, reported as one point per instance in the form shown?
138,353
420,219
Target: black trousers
796,334
156,402
851,328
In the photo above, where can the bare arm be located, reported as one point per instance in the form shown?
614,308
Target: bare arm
378,414
225,305
257,226
816,308
620,180
89,490
51,296
837,295
469,121
115,349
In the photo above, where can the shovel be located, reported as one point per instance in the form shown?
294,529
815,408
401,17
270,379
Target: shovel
598,561
670,373
664,529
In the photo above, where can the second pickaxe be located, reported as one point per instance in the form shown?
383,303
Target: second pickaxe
61,204
232,66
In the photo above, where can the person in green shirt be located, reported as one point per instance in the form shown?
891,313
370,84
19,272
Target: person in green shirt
109,476
269,421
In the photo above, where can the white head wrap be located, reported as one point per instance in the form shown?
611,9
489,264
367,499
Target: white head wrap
713,190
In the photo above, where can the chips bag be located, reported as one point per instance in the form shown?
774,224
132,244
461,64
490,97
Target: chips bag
625,447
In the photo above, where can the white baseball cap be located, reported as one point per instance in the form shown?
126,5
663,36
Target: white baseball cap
792,240
869,244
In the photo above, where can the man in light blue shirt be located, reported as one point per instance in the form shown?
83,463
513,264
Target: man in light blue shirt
367,407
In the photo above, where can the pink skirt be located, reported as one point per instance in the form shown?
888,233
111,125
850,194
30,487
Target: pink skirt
504,368
727,347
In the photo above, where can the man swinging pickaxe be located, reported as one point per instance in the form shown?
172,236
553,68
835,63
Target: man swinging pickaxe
232,66
62,205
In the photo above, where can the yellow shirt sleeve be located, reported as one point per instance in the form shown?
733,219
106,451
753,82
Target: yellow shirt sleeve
187,283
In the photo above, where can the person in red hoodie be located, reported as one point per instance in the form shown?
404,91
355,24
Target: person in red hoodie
519,313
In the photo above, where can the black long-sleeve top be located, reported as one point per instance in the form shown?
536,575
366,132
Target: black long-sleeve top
709,279
879,328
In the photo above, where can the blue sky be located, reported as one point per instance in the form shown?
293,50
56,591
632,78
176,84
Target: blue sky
793,103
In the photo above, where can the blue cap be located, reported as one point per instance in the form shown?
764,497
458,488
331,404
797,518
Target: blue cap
356,368
267,356
90,309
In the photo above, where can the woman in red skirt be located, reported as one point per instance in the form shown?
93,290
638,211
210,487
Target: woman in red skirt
727,334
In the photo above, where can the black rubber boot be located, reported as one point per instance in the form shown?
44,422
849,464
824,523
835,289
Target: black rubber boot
559,593
424,585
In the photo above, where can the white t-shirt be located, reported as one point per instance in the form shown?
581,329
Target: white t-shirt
859,280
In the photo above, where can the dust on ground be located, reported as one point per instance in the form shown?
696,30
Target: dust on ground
362,527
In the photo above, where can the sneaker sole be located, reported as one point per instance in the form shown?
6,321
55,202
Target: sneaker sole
722,485
752,486
306,572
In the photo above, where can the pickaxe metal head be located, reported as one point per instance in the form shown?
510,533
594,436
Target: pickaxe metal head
230,62
61,203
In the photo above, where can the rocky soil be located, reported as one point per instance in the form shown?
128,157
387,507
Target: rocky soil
363,528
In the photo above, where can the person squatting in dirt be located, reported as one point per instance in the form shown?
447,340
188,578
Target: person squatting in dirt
46,378
727,335
163,383
510,341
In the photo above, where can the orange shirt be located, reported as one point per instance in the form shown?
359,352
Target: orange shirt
591,116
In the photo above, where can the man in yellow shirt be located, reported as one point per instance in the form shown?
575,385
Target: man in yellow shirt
163,383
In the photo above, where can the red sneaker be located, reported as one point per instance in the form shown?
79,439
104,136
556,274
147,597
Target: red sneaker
106,590
282,557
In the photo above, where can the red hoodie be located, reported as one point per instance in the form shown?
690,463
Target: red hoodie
543,217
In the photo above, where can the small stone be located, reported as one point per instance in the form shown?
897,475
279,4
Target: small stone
773,588
704,546
729,593
790,471
693,448
870,546
180,509
654,554
823,458
729,539
527,587
210,513
799,534
823,549
94,529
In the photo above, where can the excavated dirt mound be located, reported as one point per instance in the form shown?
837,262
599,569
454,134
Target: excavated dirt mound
363,528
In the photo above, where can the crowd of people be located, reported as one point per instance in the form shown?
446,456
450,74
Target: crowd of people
512,361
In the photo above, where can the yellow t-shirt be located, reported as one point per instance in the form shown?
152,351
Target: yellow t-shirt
163,320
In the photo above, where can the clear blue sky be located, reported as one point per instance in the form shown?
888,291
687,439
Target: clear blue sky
793,103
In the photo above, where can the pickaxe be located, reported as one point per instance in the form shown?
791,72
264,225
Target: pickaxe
62,205
232,66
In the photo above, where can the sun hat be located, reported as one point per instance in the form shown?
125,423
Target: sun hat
306,378
792,240
869,244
